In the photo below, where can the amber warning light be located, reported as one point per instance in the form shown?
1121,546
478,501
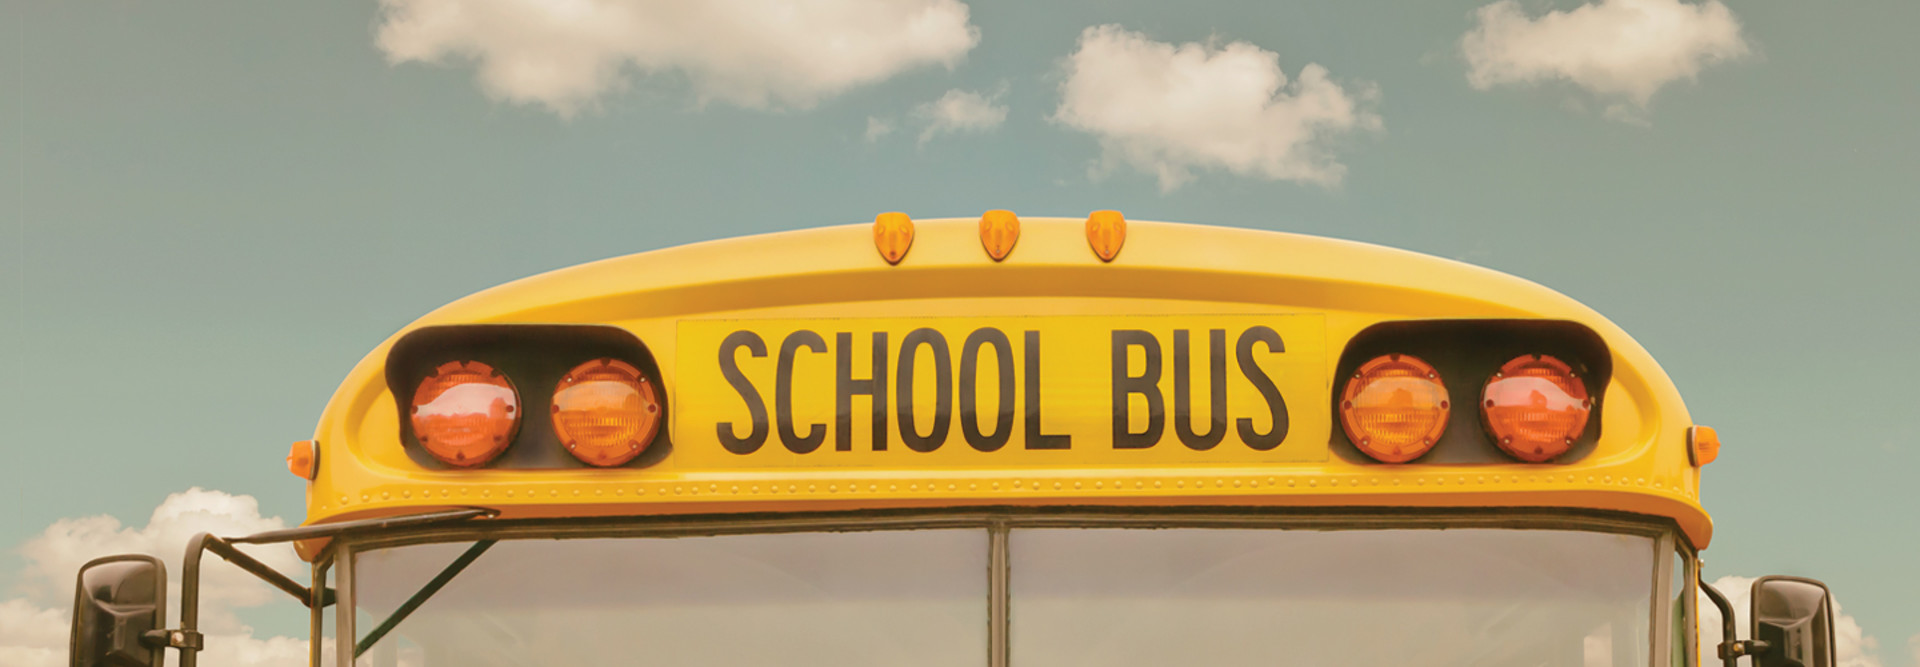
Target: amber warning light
466,413
605,412
1535,407
1394,408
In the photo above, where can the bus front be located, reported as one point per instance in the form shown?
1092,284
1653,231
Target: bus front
999,441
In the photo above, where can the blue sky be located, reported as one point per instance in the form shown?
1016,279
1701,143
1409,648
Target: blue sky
213,209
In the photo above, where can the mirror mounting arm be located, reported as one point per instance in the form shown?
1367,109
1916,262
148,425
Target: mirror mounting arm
124,633
179,639
1730,648
1735,649
187,639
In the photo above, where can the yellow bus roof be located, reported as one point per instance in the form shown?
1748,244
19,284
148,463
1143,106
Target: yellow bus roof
1165,270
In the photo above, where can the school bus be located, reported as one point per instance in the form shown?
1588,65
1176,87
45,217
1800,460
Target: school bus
996,441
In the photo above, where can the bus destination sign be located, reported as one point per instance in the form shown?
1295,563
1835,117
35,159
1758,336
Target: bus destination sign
981,391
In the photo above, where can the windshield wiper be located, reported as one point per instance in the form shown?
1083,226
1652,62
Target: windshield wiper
420,597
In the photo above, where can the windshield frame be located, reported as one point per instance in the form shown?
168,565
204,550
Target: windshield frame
999,521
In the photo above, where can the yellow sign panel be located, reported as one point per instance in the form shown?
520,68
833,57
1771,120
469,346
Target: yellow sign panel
990,392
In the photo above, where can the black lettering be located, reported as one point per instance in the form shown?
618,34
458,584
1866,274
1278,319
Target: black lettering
783,393
1276,405
1036,439
756,409
844,387
970,396
1183,394
1147,384
942,390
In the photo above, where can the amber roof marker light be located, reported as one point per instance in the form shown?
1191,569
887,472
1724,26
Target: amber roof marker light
1106,233
605,412
893,236
999,231
1394,408
1535,407
466,413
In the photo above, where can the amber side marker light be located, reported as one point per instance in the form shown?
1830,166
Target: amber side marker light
1703,445
466,413
303,459
1394,408
605,412
1535,407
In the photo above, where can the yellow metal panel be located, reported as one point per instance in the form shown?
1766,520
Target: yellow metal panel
1170,276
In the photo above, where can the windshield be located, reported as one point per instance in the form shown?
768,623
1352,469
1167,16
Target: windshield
1076,596
1374,597
872,598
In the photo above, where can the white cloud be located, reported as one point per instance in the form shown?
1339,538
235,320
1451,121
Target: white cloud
877,128
34,627
1168,109
961,111
1853,647
1620,51
31,636
565,54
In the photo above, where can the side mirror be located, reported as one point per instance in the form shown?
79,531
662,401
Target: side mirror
118,600
1794,617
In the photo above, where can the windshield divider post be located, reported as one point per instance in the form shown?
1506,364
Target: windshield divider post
420,597
316,606
1662,614
998,604
345,556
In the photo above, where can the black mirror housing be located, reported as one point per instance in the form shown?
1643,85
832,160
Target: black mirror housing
1794,617
116,602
